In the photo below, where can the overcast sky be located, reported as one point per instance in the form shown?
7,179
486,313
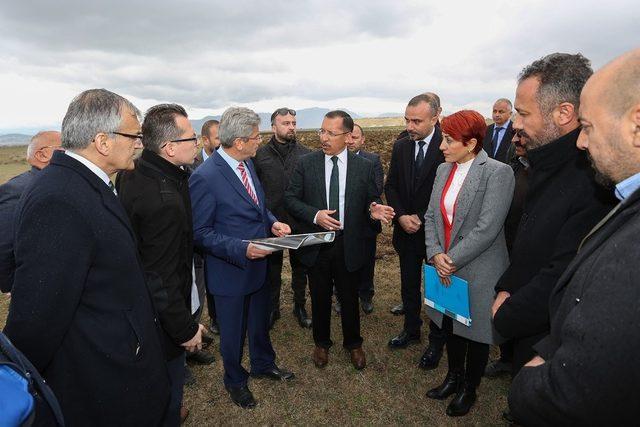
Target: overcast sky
368,56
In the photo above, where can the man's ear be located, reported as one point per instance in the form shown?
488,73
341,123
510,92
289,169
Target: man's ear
634,124
103,143
564,114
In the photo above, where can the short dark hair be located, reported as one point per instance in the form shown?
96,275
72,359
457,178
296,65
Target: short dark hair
281,112
430,98
208,125
159,125
347,121
562,77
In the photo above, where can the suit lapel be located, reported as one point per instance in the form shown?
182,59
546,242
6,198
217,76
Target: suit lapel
438,187
233,179
430,157
320,175
468,193
489,143
351,181
407,161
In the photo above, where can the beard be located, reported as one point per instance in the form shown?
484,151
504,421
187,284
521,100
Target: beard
601,177
549,133
287,137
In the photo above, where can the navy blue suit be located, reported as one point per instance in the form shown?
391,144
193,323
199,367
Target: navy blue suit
223,216
10,193
80,308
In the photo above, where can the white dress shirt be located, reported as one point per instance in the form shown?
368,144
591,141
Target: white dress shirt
427,140
342,179
233,163
455,187
91,166
205,156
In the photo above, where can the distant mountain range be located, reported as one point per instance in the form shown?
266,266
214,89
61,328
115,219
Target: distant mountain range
307,118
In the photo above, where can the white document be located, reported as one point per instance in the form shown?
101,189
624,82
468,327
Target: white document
293,241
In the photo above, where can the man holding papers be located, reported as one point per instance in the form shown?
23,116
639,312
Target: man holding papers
464,236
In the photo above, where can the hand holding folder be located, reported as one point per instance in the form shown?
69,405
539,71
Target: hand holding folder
451,300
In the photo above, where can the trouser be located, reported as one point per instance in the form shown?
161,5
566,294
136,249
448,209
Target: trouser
461,350
523,351
329,270
237,317
506,351
203,291
175,368
298,278
365,287
411,291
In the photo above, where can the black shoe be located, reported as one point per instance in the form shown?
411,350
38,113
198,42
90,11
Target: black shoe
189,379
398,310
242,397
497,368
273,316
215,330
449,386
300,313
430,358
367,306
275,374
403,340
200,358
463,401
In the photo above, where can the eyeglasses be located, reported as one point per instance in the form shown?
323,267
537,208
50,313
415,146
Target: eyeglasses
193,139
330,134
281,112
129,135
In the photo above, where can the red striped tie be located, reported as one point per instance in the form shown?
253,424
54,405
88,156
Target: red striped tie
245,182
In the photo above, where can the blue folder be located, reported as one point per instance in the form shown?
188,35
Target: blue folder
452,301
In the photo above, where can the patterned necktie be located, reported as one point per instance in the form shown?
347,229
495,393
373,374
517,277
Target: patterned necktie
245,182
334,189
420,156
113,188
496,144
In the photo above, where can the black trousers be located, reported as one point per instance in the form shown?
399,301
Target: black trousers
365,282
461,350
411,291
298,278
506,351
329,270
202,291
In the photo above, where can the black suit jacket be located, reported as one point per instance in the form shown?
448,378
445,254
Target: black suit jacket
156,197
501,155
378,175
591,373
410,196
80,309
10,193
307,194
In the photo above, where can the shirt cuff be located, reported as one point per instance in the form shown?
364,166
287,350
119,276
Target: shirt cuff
315,218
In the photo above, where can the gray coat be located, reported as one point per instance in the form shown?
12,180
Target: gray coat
478,247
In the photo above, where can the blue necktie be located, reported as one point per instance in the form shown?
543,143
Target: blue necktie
496,143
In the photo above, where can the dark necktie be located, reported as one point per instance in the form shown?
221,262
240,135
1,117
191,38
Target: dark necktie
334,189
496,144
420,156
113,188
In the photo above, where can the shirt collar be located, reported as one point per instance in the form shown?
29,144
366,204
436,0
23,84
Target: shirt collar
505,125
426,139
227,158
625,188
90,165
342,156
205,156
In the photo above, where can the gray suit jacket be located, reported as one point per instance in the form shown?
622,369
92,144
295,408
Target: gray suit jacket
477,247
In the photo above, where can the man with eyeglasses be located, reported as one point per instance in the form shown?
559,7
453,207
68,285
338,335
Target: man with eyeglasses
39,153
80,307
229,210
156,197
275,162
333,189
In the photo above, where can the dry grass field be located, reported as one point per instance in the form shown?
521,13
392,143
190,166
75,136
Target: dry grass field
390,391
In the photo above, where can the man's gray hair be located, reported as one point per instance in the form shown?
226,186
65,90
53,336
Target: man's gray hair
504,100
92,112
431,99
31,148
562,77
160,126
236,122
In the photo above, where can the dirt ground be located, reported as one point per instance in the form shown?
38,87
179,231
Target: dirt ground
390,391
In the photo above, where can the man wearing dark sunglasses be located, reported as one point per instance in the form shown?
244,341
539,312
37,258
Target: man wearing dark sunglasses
156,197
275,162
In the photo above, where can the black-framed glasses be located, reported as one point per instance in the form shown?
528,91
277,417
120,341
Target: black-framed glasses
129,135
193,139
321,132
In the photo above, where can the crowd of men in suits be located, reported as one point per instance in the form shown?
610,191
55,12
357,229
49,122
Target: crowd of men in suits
109,282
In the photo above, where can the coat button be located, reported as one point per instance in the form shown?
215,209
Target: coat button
460,238
577,300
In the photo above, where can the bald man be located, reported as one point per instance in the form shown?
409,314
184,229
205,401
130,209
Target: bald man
498,137
39,152
586,370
